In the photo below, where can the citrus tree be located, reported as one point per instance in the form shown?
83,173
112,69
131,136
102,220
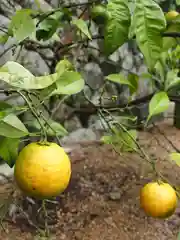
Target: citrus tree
156,34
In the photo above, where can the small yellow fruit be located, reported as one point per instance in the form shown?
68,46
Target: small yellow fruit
171,15
42,170
158,200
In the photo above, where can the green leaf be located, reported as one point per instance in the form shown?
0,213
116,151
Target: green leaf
150,23
107,139
82,26
175,157
131,81
160,69
178,3
56,128
22,25
123,140
6,109
3,38
145,75
172,79
17,76
158,104
69,83
117,27
132,29
48,27
63,66
12,127
128,140
171,42
179,231
9,150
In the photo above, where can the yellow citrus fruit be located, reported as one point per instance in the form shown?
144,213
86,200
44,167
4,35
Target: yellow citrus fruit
42,170
171,15
158,200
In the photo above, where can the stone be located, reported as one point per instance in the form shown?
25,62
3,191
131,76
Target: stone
97,124
93,75
34,63
4,21
115,196
128,62
80,135
72,124
5,172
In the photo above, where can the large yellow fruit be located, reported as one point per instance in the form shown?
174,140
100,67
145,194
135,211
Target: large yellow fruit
171,15
158,200
42,170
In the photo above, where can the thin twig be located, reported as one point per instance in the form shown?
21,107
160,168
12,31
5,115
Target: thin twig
171,34
164,135
33,110
45,218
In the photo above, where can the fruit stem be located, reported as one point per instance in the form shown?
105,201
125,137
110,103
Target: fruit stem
33,110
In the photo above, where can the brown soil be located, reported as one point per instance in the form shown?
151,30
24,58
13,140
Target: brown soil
102,202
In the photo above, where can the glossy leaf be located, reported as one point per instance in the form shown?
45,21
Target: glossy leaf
127,139
82,26
171,42
12,127
117,27
149,24
63,66
131,81
158,104
48,27
172,79
6,109
56,128
175,157
9,150
22,25
69,82
124,141
17,76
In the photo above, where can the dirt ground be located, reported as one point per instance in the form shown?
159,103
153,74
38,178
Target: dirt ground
102,201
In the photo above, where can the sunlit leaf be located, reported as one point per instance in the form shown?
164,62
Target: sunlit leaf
62,66
131,81
172,79
175,157
22,25
52,128
17,76
82,26
171,42
150,23
12,127
158,104
69,82
117,27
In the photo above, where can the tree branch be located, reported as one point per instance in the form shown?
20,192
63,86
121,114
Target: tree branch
171,34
